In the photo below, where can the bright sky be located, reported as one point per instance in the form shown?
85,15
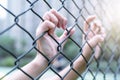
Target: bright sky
2,11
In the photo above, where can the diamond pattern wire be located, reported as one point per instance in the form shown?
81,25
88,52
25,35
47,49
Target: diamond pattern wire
76,11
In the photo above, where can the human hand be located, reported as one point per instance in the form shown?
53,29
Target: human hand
93,37
46,44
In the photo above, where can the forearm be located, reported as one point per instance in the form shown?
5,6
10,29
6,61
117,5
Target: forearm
34,68
79,65
97,51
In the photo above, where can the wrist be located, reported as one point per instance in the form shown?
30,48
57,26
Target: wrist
40,61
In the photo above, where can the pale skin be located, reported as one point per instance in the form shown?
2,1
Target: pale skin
52,19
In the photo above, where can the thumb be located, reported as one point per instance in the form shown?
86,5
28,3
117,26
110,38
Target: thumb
65,33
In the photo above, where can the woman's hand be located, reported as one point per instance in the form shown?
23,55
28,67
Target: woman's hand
46,44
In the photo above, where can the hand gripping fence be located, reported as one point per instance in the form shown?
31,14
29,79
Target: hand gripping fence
21,20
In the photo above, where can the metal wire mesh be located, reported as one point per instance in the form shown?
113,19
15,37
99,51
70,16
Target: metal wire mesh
76,11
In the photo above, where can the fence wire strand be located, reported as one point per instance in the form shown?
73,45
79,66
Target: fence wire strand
95,67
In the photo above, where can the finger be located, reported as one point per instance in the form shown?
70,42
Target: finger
95,40
64,35
87,22
62,21
97,28
98,25
93,27
45,26
51,17
103,32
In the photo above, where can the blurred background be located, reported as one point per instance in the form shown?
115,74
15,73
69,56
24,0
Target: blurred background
17,17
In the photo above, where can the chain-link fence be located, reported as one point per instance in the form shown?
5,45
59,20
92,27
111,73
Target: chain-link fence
18,40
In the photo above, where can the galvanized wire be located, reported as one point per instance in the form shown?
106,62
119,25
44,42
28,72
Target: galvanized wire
83,12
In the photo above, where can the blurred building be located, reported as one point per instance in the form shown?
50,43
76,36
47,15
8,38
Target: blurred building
75,11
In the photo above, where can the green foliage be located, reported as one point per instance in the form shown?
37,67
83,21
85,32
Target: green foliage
70,49
7,61
8,43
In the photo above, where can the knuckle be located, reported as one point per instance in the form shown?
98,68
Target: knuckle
46,22
46,16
